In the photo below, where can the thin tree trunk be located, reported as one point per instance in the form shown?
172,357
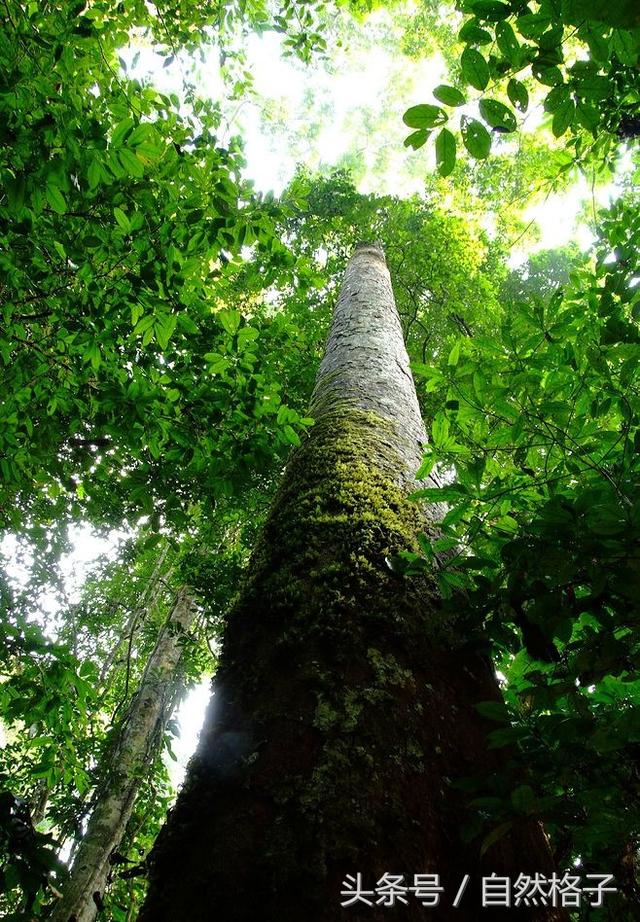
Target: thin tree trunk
39,806
130,759
152,593
343,708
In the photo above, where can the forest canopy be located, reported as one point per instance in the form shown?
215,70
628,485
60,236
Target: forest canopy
182,187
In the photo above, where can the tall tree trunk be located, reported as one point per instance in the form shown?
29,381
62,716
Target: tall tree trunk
148,602
133,750
344,704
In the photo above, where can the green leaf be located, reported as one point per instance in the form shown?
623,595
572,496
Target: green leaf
453,493
94,173
493,710
497,115
449,95
122,220
424,116
532,25
494,836
246,335
445,152
140,134
426,467
621,14
417,138
186,324
588,115
523,798
556,97
507,42
563,118
55,198
476,138
121,130
143,324
439,429
548,76
472,34
218,364
593,86
518,94
626,46
291,435
130,163
230,320
490,10
475,69
505,736
15,193
454,355
164,327
93,355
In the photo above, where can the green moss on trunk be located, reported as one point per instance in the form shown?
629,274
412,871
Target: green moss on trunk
341,713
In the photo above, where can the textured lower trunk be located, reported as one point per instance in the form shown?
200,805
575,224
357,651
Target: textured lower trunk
342,707
134,749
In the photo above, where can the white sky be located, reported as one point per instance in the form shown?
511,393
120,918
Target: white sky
190,716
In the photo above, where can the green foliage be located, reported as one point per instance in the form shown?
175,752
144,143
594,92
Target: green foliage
120,226
144,375
537,438
63,703
446,272
445,152
476,138
580,58
28,858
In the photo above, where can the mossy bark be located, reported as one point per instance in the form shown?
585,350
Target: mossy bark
343,707
135,747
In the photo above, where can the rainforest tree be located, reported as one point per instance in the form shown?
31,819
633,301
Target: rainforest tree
343,696
161,323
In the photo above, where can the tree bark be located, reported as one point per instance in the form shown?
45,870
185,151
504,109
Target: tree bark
131,756
343,707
